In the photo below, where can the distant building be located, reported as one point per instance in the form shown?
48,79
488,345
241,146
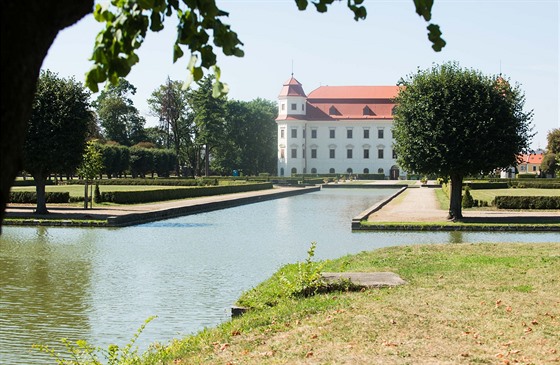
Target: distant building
530,163
336,129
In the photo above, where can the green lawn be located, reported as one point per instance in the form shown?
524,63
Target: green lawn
489,194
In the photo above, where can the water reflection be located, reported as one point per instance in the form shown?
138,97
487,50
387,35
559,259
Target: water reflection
102,284
44,291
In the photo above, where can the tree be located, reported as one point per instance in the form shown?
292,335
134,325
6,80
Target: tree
57,130
114,51
169,103
453,122
208,118
249,139
90,168
551,160
553,139
119,118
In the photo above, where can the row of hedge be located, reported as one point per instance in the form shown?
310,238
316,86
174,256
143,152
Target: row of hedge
158,181
134,197
527,202
30,197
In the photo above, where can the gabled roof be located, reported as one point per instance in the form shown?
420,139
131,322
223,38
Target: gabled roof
292,87
354,92
533,158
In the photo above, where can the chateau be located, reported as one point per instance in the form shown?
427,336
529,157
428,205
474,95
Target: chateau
336,129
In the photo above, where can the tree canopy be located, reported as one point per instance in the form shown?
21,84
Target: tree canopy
453,122
57,130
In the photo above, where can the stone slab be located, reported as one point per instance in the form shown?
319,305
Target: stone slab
365,279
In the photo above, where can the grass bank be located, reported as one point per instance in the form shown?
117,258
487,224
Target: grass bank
463,304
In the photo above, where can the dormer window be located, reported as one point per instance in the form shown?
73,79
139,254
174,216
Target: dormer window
333,111
367,111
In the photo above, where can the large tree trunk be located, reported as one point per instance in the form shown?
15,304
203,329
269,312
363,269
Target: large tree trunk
455,211
28,29
40,182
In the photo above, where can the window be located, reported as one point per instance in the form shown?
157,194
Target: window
294,152
294,133
331,133
534,168
366,153
331,171
380,153
294,170
331,153
349,153
294,106
303,152
349,170
366,133
366,171
283,106
313,133
282,154
282,133
380,133
349,133
313,170
380,171
394,155
302,107
304,133
313,153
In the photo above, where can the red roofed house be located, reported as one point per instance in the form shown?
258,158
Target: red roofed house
530,163
336,129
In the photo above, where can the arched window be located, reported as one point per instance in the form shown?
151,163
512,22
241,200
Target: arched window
366,171
349,170
331,171
294,170
281,171
313,170
380,171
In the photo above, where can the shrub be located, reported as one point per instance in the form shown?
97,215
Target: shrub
527,202
526,176
97,195
468,201
30,197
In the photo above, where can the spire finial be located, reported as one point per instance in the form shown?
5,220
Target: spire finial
292,68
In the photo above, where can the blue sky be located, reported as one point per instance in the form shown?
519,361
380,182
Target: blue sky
520,39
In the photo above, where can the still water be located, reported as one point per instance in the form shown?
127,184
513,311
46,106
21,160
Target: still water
101,284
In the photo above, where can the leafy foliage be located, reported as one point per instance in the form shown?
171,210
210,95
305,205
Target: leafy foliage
455,122
120,119
57,130
126,24
82,352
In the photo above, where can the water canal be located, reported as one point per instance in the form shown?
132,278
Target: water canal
100,284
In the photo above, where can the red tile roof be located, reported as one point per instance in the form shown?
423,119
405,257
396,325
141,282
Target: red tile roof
532,158
292,87
355,92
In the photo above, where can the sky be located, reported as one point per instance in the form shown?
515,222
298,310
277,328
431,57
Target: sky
519,39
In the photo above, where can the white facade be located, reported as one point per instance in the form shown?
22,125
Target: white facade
340,143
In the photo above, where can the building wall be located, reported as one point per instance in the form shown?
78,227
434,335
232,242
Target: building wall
295,148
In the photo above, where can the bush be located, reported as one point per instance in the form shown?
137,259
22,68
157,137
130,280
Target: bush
468,201
487,185
526,176
133,197
30,197
527,202
97,195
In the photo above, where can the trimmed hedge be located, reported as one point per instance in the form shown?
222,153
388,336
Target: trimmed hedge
30,197
527,202
133,197
162,182
30,182
486,185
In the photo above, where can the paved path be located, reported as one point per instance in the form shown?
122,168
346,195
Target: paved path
421,205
